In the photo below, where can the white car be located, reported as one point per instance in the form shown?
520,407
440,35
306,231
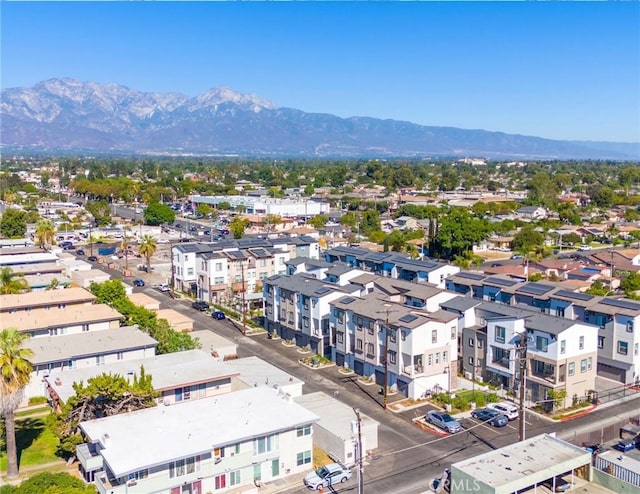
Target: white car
327,475
509,410
163,240
584,248
163,287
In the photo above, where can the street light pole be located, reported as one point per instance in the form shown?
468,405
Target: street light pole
359,455
522,359
385,387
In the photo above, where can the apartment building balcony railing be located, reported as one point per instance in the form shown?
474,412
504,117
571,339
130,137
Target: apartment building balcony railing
412,370
239,286
501,362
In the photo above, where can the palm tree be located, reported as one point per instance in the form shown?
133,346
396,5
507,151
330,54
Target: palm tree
44,234
148,246
15,373
53,284
11,282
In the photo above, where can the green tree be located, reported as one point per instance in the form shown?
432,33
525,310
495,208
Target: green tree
457,233
272,221
12,283
318,221
15,373
237,226
527,239
370,221
598,288
147,248
101,212
630,284
170,341
204,209
13,223
102,396
157,214
44,234
52,483
309,190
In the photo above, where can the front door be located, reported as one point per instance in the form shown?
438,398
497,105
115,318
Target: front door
275,468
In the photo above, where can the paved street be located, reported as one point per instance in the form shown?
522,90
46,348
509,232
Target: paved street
408,457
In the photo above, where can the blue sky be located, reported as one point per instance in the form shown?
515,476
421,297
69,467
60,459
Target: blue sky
561,70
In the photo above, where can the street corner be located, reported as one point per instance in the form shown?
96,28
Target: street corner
576,414
425,426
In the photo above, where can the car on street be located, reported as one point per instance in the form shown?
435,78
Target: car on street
444,421
560,484
163,240
509,410
138,282
493,417
163,287
200,305
625,445
218,314
584,248
327,475
92,258
516,256
80,252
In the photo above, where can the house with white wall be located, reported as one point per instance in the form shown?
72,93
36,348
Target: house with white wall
225,442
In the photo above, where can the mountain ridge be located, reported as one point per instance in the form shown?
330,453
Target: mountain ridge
67,114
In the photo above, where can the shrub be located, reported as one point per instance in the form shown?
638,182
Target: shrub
37,400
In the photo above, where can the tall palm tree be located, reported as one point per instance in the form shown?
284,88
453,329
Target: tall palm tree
11,282
148,246
15,373
44,234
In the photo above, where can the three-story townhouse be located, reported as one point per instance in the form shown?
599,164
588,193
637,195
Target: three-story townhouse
213,278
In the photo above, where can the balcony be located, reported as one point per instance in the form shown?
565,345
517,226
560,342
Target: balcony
218,287
238,286
412,370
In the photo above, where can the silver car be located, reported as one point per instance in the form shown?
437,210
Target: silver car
327,475
445,421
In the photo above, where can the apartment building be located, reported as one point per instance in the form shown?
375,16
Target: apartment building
84,350
232,441
38,302
414,349
561,354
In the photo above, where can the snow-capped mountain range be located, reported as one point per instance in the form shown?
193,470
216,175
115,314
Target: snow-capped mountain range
66,115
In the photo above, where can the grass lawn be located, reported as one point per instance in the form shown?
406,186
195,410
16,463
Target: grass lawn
45,409
36,443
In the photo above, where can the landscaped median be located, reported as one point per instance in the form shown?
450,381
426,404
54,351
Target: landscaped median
574,414
426,426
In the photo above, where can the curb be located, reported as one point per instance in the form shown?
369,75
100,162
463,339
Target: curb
427,428
576,415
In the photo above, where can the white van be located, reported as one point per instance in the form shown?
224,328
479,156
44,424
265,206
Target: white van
509,410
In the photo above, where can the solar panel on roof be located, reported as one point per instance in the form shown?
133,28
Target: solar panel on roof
470,276
347,300
535,288
408,318
622,304
322,290
501,281
574,295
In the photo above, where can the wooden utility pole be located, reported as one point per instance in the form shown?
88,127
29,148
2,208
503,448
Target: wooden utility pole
244,317
385,387
359,455
522,360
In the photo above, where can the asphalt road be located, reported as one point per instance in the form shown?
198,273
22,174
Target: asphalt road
408,457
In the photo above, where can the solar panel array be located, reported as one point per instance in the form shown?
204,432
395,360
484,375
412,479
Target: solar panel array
574,295
535,288
622,304
347,300
408,318
470,276
501,281
322,290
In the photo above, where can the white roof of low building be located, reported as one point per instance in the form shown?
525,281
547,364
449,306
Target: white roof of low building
32,258
65,347
257,372
335,416
192,428
524,463
167,371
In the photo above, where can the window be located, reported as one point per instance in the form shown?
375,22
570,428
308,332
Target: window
305,321
340,337
500,334
434,336
303,458
542,343
629,326
600,341
590,363
218,266
371,349
218,280
560,312
370,327
265,444
581,343
262,263
304,430
572,368
340,315
139,475
480,343
189,271
471,342
202,390
563,346
120,355
635,349
221,481
470,360
392,356
99,359
623,347
437,357
403,335
234,478
444,356
85,327
359,345
182,467
430,359
218,452
583,365
453,332
392,335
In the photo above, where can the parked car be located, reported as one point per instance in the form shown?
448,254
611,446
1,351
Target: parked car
516,256
163,287
92,258
200,305
625,445
509,410
561,485
163,240
80,252
138,282
327,475
218,314
583,248
444,421
491,416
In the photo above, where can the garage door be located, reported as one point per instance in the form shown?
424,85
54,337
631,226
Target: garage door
611,372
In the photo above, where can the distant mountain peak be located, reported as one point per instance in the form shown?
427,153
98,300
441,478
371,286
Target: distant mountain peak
65,114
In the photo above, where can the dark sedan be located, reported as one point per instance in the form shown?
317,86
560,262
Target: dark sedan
80,252
490,416
200,305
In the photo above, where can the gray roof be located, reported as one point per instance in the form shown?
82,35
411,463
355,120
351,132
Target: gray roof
339,269
461,304
167,371
254,371
304,284
48,349
192,427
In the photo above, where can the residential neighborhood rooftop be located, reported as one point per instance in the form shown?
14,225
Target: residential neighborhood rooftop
45,298
59,318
